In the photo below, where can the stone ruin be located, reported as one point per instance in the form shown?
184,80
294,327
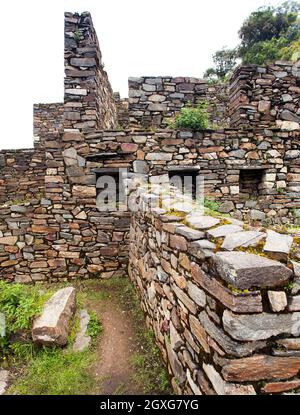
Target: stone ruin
222,296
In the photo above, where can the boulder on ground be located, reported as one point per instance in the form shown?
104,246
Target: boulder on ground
53,326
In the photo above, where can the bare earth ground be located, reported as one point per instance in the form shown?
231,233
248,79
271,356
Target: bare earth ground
113,370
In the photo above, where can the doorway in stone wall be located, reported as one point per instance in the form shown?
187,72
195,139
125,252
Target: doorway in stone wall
251,181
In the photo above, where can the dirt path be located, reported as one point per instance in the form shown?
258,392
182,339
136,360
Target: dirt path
113,369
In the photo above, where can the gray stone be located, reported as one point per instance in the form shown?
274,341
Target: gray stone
4,376
140,166
241,239
159,156
189,233
278,300
84,62
260,326
290,116
201,222
244,270
224,388
240,154
257,214
229,345
175,364
278,242
196,294
82,340
175,339
224,230
226,207
292,154
294,303
52,327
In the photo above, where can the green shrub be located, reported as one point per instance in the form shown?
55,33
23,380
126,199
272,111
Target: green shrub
195,118
19,304
211,204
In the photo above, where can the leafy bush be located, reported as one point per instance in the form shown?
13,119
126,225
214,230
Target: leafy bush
211,204
20,305
195,118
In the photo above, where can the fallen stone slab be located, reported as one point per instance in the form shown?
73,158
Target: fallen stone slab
245,271
82,340
201,222
53,326
278,243
241,239
224,230
189,233
260,326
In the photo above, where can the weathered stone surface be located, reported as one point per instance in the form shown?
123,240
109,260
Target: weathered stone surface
241,239
141,167
84,62
186,301
278,243
240,303
4,377
199,333
52,327
198,221
226,207
289,344
196,294
189,233
230,346
224,230
294,303
8,240
261,367
84,191
175,364
224,388
245,271
278,300
82,340
178,242
260,326
277,387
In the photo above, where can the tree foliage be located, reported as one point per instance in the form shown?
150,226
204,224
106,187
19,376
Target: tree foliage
268,34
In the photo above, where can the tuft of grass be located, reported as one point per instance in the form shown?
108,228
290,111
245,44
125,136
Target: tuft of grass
56,372
94,326
193,117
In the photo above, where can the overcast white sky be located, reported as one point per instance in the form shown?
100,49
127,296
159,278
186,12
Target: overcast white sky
137,37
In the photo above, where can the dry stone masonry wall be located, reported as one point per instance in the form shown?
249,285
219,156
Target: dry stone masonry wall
222,299
265,96
89,100
221,296
154,101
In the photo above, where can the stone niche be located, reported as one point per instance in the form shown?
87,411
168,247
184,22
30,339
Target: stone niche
185,178
252,181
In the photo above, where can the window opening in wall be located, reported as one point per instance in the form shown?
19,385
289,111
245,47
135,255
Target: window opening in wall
108,184
185,180
251,181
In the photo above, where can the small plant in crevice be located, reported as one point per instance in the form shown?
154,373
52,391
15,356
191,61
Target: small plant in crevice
77,35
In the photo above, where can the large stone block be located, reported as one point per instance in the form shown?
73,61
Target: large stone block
260,326
53,326
245,271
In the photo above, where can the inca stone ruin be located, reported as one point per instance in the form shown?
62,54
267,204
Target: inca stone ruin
222,294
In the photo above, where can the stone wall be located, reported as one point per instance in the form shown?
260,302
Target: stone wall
89,101
153,101
22,174
265,96
225,315
47,118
